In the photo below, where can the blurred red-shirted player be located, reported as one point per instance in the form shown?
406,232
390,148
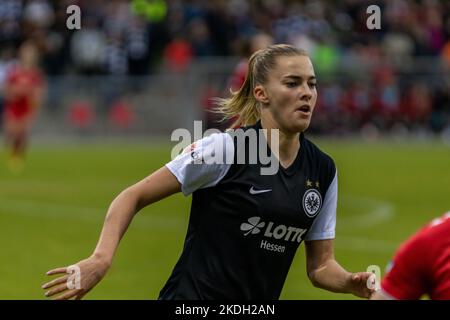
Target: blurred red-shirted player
23,95
213,118
421,265
257,42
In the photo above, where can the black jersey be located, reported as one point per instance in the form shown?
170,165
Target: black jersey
244,227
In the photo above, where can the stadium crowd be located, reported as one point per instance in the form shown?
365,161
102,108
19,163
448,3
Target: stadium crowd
395,78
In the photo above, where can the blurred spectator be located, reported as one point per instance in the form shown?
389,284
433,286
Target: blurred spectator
121,115
6,63
200,38
138,46
417,105
178,54
365,71
440,115
257,42
88,47
38,13
388,98
10,27
216,27
81,116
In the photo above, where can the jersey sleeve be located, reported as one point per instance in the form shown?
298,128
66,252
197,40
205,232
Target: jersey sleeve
406,280
204,163
324,225
38,79
11,76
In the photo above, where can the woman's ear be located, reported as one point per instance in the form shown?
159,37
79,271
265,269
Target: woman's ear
260,94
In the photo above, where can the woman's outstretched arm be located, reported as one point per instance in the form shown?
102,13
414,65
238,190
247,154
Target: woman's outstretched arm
78,279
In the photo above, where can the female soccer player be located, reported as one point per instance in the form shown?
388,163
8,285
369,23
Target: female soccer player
244,227
23,94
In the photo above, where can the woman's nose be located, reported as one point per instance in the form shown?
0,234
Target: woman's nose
305,92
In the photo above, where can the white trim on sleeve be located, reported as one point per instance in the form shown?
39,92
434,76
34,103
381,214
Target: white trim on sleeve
204,163
325,224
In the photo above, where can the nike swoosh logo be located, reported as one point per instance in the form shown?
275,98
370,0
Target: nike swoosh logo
253,191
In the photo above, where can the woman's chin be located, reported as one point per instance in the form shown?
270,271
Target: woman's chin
299,125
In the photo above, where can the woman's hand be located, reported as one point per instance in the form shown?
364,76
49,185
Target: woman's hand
362,284
77,279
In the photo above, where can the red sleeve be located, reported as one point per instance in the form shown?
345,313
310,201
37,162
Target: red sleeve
407,278
11,77
38,79
238,76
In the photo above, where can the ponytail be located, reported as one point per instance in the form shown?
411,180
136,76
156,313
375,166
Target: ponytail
242,103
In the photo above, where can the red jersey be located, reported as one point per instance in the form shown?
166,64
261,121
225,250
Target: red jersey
24,83
239,74
422,264
236,81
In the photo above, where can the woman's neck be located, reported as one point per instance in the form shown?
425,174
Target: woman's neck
289,144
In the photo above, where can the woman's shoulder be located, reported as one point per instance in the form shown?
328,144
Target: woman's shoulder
317,153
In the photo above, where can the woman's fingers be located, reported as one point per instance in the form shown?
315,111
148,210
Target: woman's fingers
56,290
68,294
55,282
57,271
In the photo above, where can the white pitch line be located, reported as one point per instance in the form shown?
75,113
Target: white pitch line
48,210
364,244
373,212
380,212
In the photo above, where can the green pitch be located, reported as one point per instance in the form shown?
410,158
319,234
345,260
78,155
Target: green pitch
51,214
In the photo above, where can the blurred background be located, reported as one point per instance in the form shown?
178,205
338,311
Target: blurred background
115,89
132,62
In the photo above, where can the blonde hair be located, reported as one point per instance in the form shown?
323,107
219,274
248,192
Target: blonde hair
243,104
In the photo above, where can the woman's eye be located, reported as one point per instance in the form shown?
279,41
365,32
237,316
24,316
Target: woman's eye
313,85
291,84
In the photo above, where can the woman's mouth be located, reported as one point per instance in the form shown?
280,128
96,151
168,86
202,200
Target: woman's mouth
304,110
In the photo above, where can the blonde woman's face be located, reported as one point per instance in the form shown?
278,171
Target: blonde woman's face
290,93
